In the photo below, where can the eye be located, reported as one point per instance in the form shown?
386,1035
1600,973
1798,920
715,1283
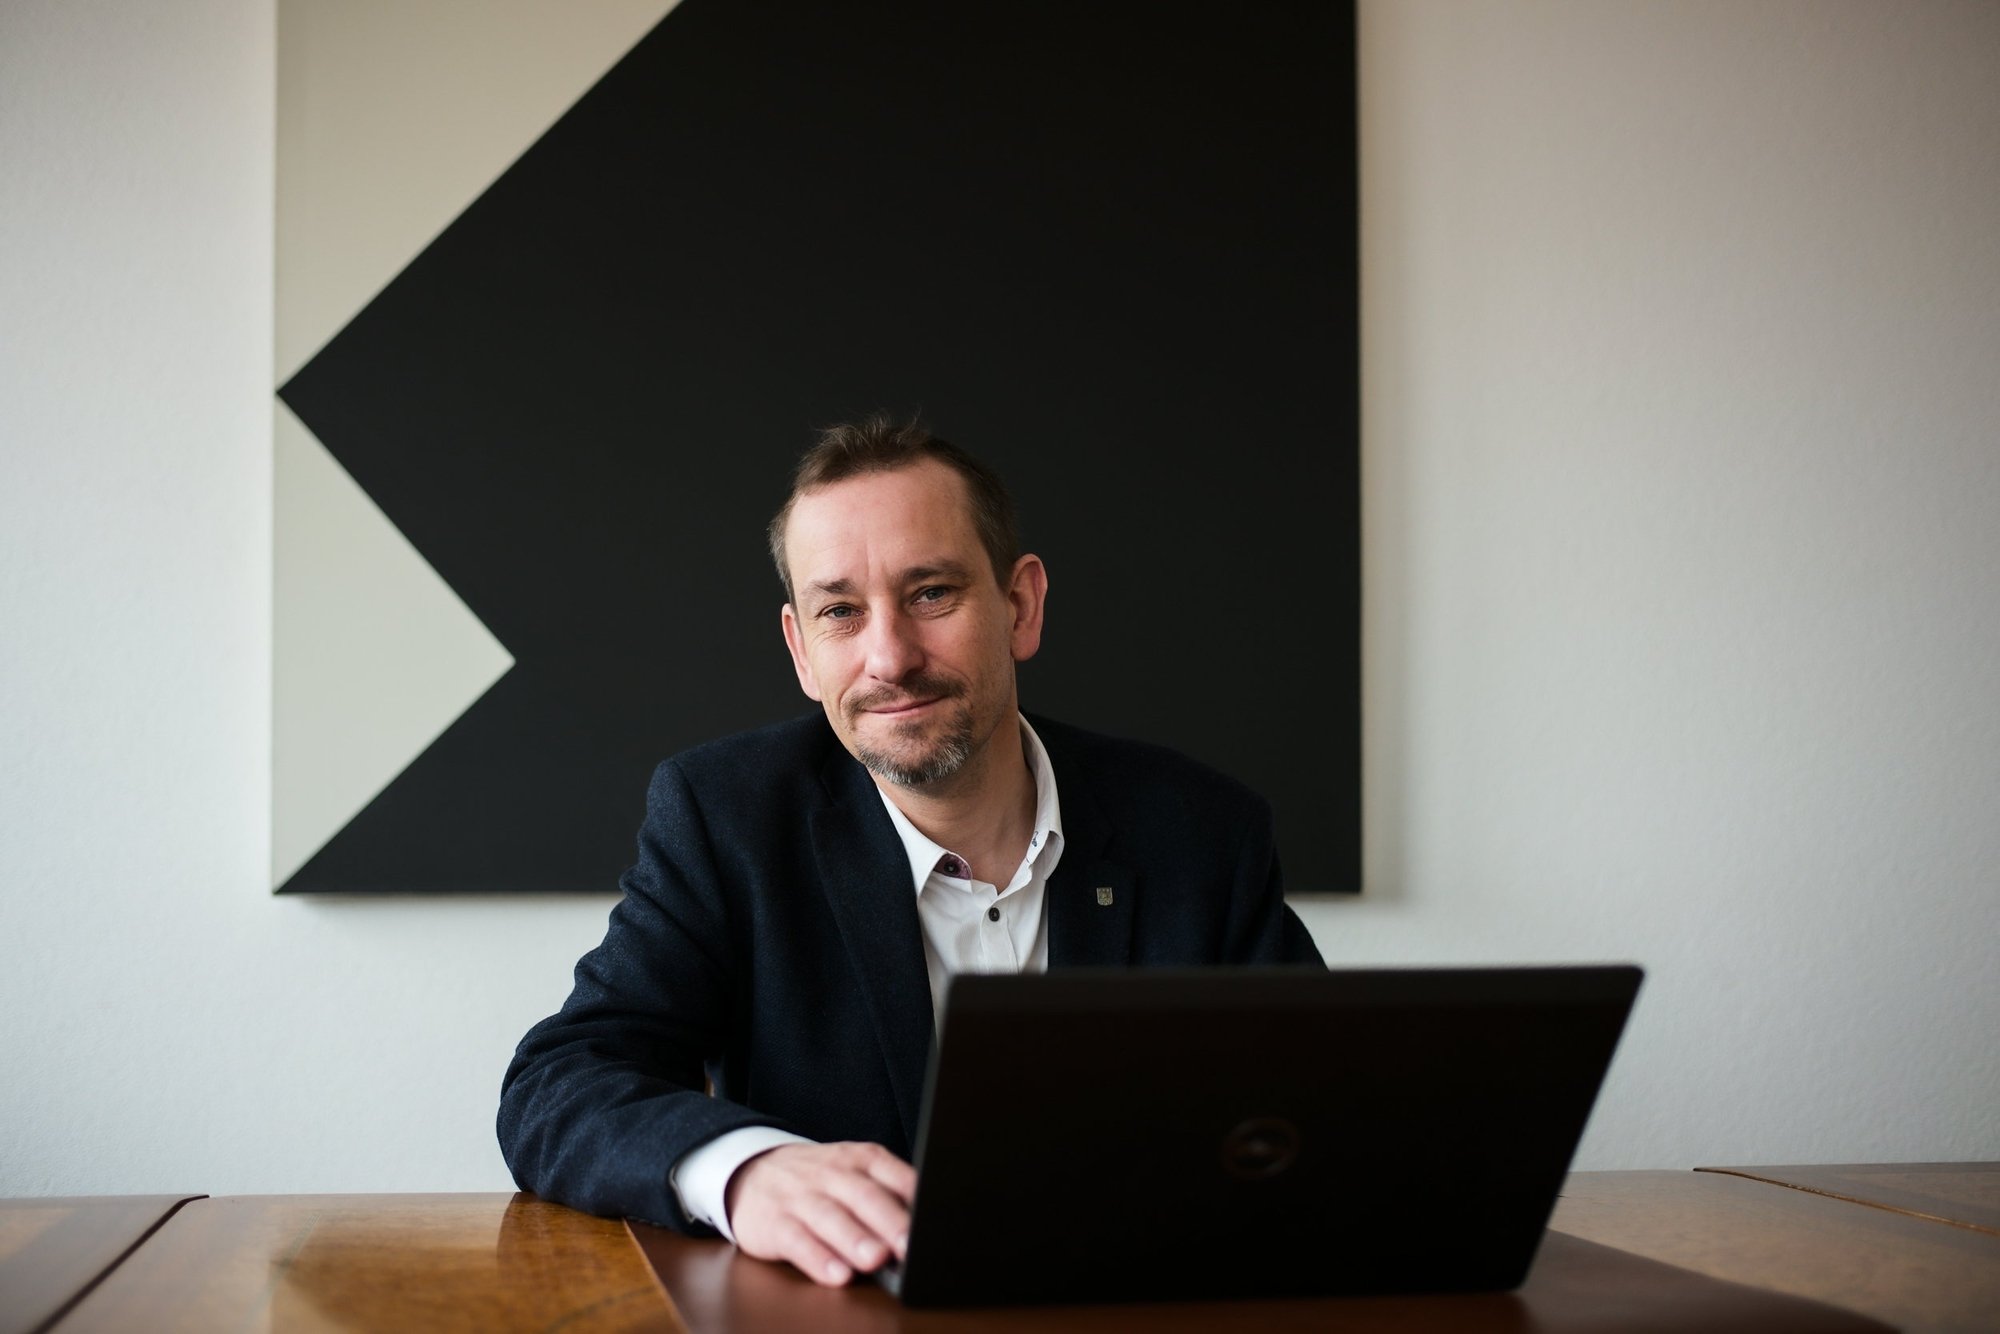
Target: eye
935,593
839,611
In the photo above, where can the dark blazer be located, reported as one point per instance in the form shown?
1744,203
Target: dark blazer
768,939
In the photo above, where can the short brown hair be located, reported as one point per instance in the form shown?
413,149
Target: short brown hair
880,444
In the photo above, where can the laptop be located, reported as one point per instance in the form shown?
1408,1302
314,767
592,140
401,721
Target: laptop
1098,1135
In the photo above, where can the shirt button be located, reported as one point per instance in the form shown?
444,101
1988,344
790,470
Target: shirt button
992,914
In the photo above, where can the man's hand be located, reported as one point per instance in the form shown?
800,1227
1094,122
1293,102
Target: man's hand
833,1210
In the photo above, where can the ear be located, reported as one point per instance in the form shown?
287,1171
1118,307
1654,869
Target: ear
795,640
1027,593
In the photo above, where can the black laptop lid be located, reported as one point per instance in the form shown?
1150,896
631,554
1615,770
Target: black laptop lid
1100,1135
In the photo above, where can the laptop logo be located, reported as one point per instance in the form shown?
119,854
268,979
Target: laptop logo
1260,1148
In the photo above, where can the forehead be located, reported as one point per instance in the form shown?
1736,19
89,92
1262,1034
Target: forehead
881,523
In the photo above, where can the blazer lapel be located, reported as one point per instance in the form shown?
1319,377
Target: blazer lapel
1090,896
866,877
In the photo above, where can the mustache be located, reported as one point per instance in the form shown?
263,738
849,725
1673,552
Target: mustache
913,688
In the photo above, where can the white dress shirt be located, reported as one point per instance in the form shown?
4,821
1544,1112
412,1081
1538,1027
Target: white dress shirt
969,926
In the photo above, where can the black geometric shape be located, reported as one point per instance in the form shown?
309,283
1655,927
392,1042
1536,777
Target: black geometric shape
1110,247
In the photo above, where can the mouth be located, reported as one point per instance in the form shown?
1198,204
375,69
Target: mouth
904,709
909,700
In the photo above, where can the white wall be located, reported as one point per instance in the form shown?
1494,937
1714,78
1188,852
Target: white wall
1682,324
167,1023
1682,498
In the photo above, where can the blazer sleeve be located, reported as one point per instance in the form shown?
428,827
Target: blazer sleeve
606,1095
1262,929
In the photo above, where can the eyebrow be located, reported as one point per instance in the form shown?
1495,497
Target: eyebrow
946,569
835,588
916,574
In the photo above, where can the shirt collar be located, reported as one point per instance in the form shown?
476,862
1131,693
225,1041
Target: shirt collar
924,854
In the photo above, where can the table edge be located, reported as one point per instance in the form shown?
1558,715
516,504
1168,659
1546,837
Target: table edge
57,1316
1749,1175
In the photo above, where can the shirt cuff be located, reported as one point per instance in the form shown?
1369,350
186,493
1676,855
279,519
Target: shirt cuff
701,1177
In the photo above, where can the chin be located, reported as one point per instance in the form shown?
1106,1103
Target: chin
917,764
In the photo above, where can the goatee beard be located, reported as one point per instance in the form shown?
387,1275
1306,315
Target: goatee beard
947,755
944,757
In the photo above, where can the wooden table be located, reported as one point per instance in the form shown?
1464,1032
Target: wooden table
1575,1287
500,1262
1962,1194
54,1250
379,1262
1914,1273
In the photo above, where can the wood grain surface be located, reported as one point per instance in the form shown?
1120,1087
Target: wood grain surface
54,1250
1962,1194
1910,1272
1629,1251
380,1262
1575,1287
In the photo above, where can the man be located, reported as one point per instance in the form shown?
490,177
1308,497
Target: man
803,892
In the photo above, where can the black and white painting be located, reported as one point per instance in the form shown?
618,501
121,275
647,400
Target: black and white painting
564,289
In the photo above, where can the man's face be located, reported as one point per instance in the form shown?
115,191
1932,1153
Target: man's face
898,627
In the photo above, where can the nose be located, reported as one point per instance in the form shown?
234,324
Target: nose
892,646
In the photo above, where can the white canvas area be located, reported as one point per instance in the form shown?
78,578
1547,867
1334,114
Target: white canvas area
374,654
391,120
393,117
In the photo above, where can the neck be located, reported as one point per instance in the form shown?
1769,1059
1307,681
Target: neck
985,812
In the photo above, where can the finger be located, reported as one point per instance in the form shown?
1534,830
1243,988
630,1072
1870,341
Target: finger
811,1256
881,1212
876,1162
837,1227
890,1171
